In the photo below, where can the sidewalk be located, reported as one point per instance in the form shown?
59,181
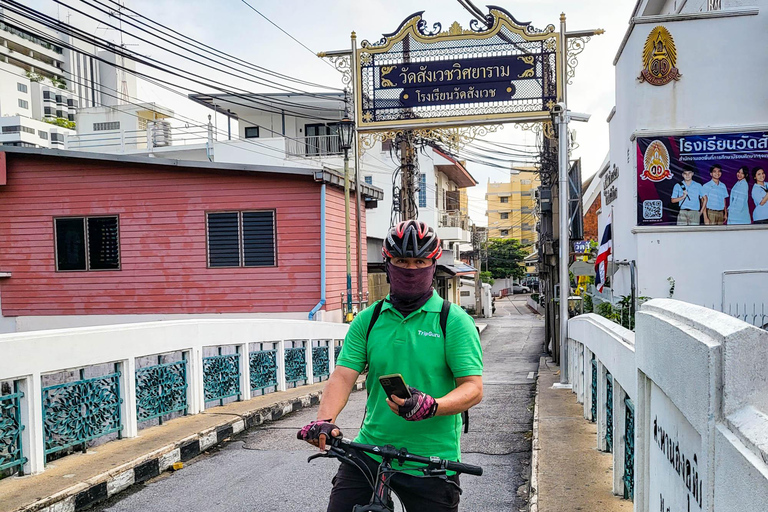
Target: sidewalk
78,481
569,472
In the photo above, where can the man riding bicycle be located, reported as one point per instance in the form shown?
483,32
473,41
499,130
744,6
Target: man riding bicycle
441,363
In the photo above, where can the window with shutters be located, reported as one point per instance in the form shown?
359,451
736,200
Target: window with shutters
87,243
241,239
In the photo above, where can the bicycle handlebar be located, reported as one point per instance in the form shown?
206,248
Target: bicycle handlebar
402,455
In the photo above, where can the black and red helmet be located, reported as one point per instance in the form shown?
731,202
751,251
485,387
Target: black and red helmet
412,239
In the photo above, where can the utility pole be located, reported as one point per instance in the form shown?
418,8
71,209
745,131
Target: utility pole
407,177
478,265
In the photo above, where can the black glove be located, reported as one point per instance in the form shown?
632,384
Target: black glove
419,406
311,433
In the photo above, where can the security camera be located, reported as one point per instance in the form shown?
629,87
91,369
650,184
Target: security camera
558,108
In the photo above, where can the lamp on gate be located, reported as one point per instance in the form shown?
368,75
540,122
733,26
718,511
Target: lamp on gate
346,133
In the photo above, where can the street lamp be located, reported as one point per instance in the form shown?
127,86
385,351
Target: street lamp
346,134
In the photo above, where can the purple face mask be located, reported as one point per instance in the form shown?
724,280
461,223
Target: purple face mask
409,288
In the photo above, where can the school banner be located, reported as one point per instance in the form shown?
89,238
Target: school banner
702,179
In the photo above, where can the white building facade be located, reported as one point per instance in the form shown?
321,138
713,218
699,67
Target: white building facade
716,89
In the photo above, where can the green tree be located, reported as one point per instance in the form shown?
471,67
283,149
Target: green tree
486,277
505,258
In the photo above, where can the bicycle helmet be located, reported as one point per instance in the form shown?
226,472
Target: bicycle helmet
412,239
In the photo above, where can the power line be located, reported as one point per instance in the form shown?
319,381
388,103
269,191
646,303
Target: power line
253,78
211,49
101,43
283,31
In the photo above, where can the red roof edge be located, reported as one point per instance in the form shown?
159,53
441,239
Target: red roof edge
457,163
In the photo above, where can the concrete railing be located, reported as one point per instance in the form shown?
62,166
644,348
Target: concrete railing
688,419
203,363
612,375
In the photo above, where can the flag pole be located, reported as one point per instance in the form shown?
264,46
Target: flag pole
613,257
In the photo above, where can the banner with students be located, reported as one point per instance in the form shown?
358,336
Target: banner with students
711,179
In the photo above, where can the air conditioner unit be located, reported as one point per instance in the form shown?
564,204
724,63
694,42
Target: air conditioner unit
161,133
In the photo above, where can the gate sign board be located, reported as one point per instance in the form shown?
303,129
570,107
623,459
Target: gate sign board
677,480
508,71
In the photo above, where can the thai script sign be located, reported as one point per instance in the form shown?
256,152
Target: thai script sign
702,179
457,72
677,482
506,71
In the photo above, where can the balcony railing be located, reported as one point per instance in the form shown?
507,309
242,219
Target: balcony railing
313,146
453,219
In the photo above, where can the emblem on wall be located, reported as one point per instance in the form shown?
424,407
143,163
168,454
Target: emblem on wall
659,58
656,161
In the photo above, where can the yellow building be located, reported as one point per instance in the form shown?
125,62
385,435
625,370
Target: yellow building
511,207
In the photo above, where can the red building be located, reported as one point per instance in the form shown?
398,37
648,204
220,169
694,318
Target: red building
91,239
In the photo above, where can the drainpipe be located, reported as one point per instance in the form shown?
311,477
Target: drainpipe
322,255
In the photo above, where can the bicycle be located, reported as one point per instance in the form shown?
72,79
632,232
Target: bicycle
381,499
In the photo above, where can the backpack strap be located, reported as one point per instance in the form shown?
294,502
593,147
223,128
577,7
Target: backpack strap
444,311
374,317
444,316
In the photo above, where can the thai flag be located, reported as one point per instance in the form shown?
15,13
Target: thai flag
601,263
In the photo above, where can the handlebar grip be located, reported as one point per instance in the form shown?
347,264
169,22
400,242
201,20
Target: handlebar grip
464,468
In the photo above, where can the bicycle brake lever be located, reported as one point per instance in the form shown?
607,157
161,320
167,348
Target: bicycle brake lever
317,455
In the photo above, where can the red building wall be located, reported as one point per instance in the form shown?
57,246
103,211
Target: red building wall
162,239
336,256
590,220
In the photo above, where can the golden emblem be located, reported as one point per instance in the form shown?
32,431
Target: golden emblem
659,58
656,160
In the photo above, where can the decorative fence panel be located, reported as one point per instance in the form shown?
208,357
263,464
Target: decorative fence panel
77,412
73,414
594,389
161,390
221,377
321,365
609,412
629,450
11,453
263,364
295,364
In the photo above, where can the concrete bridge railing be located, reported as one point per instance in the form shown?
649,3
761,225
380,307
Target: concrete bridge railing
65,388
682,404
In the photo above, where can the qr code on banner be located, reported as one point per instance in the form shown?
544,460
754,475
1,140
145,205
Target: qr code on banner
652,209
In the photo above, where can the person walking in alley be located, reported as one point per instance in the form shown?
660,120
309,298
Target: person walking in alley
435,346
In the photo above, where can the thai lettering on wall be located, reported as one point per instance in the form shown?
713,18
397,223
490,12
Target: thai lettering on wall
677,480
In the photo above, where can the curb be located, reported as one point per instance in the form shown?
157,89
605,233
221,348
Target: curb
94,490
533,495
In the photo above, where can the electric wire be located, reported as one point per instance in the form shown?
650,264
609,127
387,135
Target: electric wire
250,77
283,31
210,49
101,43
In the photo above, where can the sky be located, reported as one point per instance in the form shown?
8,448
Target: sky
231,26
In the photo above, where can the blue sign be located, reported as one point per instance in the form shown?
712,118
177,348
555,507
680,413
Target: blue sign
498,91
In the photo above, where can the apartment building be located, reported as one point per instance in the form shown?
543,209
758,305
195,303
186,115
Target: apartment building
45,79
511,206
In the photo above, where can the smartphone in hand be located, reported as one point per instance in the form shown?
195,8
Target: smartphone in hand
395,385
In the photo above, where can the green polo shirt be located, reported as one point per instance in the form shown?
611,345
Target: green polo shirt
414,347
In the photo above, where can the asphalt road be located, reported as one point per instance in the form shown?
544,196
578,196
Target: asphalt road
266,469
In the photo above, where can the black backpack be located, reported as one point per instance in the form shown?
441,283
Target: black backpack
444,311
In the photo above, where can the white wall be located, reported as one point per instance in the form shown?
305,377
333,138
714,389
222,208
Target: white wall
705,99
69,349
698,380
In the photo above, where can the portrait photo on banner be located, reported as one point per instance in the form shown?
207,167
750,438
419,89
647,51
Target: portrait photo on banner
713,179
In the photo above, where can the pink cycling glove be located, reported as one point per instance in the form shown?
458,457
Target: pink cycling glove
419,407
312,431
